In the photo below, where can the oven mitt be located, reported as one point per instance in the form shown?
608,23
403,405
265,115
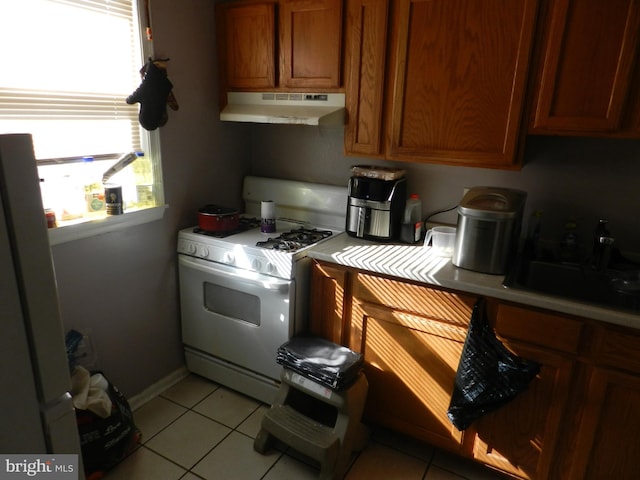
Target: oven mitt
152,94
171,99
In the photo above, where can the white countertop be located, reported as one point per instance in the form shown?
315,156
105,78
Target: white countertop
413,262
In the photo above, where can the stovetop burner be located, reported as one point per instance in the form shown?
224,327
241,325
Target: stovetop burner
295,239
245,223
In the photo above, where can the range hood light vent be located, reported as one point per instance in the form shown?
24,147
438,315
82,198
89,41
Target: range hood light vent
285,108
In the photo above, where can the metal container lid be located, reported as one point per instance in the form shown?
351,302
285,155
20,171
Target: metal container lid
492,203
380,173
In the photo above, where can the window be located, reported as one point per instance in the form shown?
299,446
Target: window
65,77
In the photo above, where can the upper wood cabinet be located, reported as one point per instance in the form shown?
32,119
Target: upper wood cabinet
585,86
456,76
365,63
292,45
246,45
310,43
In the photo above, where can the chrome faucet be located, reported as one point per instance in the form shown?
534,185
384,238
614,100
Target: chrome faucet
602,246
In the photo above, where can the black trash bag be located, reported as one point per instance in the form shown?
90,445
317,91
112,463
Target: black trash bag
488,376
105,442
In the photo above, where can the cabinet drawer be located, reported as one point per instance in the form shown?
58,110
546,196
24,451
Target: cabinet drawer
542,328
455,308
617,348
414,322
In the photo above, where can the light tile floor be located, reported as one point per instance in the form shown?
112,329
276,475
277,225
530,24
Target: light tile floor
200,430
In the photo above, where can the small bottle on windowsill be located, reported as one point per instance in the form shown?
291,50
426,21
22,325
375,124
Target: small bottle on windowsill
93,191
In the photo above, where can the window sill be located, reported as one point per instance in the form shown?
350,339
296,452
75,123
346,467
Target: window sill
112,223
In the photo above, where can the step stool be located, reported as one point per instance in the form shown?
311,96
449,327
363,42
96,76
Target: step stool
331,445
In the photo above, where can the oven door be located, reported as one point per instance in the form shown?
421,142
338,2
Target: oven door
237,316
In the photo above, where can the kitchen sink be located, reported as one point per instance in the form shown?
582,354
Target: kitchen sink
617,287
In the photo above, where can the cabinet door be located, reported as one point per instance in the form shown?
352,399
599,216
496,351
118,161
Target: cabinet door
587,65
246,45
310,43
410,363
608,439
520,437
365,61
459,71
524,436
330,302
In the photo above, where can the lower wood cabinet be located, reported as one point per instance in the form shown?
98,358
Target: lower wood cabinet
521,436
410,361
607,440
578,419
411,337
328,302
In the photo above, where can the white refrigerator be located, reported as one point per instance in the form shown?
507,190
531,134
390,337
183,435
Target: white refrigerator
36,412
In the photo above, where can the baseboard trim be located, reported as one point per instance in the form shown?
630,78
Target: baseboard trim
157,388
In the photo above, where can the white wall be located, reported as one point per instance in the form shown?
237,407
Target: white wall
122,286
566,177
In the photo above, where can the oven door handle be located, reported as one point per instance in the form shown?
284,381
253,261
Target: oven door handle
238,275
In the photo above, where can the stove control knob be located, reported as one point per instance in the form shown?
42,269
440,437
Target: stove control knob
190,248
203,252
228,258
271,268
256,265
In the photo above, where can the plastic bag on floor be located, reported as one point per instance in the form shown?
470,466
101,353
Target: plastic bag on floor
107,441
90,392
488,376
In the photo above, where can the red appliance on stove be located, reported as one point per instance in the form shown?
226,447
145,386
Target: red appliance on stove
244,293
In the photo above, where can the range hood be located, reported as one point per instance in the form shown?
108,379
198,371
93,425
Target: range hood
286,108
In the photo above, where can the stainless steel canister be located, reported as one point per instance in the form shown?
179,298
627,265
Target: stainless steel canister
489,223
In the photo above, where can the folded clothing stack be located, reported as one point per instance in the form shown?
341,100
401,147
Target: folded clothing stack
325,362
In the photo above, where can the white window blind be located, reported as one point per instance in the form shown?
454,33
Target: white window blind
67,67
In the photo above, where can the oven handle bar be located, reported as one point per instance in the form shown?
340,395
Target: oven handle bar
240,275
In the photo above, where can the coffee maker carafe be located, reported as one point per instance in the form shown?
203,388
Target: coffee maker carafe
376,203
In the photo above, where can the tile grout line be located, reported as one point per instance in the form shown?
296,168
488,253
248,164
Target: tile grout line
428,459
231,430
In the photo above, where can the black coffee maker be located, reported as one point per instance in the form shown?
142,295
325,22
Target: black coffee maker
376,203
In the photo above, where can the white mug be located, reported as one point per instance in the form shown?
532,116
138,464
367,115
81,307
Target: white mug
442,240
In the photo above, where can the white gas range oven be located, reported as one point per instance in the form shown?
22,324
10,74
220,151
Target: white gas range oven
244,294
